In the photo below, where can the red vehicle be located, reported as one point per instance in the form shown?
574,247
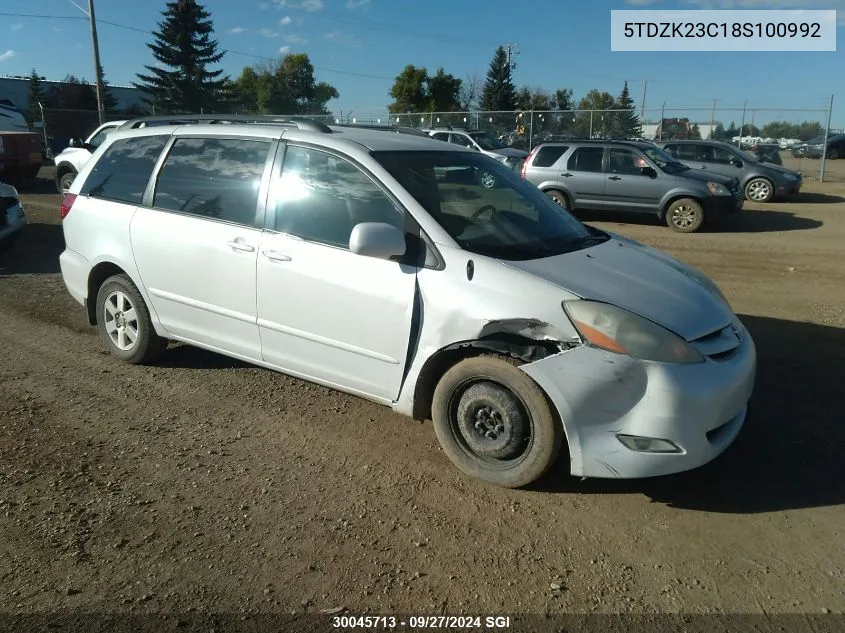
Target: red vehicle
20,156
673,130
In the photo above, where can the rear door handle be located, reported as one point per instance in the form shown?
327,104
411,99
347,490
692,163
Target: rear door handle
614,178
239,245
274,256
567,175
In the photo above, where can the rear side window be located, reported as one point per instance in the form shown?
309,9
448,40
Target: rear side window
124,169
441,136
683,151
586,159
548,155
213,177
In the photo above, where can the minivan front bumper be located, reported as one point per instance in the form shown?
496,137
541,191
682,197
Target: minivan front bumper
697,408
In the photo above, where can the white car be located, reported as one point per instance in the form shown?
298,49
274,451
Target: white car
12,216
341,256
70,160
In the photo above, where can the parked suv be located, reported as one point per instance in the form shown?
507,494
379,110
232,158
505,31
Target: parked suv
630,176
483,142
70,160
760,181
378,264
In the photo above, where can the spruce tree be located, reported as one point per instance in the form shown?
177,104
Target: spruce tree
499,92
35,96
184,49
627,123
110,105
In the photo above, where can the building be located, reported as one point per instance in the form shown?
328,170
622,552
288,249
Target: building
650,129
16,89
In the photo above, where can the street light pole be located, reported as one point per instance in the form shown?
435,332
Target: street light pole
97,74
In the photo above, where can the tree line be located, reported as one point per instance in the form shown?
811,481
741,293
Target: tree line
183,78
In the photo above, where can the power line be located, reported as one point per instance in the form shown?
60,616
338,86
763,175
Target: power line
146,32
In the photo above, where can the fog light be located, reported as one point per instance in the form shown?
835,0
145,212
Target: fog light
648,444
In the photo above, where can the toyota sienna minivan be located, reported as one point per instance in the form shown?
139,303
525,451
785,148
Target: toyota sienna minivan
385,266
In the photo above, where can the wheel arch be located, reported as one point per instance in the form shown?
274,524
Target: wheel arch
501,343
98,275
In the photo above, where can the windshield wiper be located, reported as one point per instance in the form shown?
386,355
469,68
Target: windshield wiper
589,239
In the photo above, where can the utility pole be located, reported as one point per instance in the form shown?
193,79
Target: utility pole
99,77
512,51
826,136
712,119
642,110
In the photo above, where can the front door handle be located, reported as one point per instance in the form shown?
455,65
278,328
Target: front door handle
274,256
239,245
614,178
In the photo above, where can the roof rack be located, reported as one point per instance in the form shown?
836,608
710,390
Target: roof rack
398,129
302,123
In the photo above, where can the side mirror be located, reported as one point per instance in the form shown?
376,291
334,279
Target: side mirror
377,239
648,171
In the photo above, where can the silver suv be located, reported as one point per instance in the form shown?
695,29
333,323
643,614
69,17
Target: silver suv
760,181
630,176
483,142
380,265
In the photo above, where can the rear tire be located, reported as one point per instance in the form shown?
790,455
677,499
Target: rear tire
833,154
66,181
124,324
495,423
685,215
559,198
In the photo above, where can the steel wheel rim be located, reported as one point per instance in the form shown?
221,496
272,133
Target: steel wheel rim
758,190
684,216
481,422
120,320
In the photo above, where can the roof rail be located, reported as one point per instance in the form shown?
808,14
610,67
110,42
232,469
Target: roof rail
302,123
398,129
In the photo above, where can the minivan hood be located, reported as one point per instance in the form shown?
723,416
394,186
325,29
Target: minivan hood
511,152
639,279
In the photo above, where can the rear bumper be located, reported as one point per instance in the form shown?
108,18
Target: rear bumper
75,271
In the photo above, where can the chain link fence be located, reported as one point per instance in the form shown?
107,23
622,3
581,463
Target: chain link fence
794,138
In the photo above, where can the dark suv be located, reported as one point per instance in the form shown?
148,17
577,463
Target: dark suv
630,176
760,181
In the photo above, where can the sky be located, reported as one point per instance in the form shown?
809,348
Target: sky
359,46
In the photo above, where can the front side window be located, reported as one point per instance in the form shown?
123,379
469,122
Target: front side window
683,151
213,177
321,197
586,159
626,162
487,142
100,136
460,139
440,136
484,205
124,169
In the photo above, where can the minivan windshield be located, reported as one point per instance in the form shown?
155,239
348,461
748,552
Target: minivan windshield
664,160
486,207
486,141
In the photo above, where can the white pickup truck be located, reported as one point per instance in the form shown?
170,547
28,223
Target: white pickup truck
71,159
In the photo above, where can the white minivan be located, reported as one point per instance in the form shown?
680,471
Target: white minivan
386,266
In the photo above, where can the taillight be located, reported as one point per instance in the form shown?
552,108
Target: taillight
527,161
67,204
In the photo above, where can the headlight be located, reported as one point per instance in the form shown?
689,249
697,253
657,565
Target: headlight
790,176
718,190
616,330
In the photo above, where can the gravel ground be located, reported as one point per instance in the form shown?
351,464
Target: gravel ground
202,485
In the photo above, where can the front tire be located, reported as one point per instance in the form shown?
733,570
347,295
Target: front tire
685,215
495,423
124,323
759,190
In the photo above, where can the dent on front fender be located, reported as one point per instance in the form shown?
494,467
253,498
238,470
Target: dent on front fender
593,391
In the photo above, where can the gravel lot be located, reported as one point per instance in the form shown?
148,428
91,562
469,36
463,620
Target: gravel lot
204,485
